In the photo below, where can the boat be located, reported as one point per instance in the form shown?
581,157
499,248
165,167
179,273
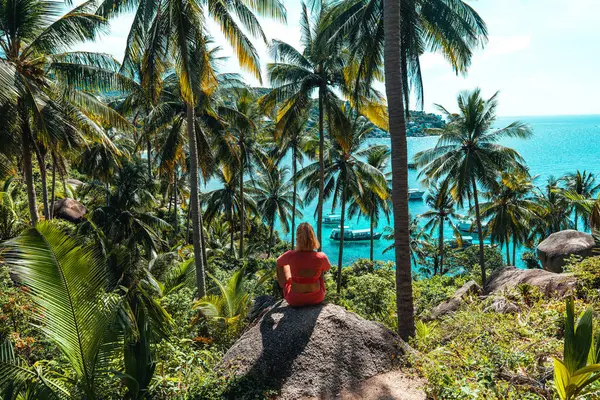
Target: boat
465,240
332,219
470,226
354,234
415,194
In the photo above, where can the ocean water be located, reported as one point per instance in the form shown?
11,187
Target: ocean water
560,145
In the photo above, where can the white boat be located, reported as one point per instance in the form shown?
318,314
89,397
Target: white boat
354,234
415,194
467,225
466,242
332,219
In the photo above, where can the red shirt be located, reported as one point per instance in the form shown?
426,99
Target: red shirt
305,260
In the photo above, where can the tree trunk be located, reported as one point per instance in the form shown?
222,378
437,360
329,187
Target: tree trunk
321,170
576,218
507,249
242,210
295,190
107,193
53,189
232,234
175,212
341,252
514,250
41,158
187,225
397,128
271,229
149,154
441,246
480,233
195,203
372,226
28,169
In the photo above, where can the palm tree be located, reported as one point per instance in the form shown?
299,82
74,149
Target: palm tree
510,211
275,199
346,172
450,27
54,101
372,204
227,199
322,68
394,86
584,185
441,209
467,152
555,212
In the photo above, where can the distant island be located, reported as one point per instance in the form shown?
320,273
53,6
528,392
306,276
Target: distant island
417,125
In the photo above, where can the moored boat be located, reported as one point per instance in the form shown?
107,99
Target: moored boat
415,194
354,234
332,219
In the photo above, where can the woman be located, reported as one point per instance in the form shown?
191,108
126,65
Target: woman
300,271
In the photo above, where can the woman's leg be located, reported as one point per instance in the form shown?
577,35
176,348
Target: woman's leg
284,274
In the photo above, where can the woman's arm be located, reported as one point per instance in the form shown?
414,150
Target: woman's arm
284,271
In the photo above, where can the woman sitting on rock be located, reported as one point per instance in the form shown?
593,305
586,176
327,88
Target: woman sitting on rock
300,271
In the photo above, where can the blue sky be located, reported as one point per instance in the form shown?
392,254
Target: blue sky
543,56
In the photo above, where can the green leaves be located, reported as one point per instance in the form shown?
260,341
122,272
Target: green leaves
67,282
578,370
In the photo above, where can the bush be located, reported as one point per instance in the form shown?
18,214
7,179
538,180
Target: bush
530,259
587,272
430,292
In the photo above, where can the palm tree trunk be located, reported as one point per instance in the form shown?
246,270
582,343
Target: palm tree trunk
441,246
107,193
53,189
394,87
372,226
242,210
195,202
514,250
28,169
295,191
480,232
341,251
149,154
232,234
187,225
175,213
321,170
41,158
271,229
576,218
507,249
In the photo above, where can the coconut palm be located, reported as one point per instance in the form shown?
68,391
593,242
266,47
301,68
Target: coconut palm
449,27
346,172
584,185
510,211
441,210
321,69
227,200
394,87
274,196
54,101
69,284
375,207
467,152
555,212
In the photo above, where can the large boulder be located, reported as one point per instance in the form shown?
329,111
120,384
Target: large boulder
453,303
313,351
69,209
550,283
558,247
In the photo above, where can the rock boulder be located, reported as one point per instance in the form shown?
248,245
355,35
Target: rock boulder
453,303
558,247
69,209
314,351
549,282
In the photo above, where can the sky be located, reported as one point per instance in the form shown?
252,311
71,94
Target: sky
542,55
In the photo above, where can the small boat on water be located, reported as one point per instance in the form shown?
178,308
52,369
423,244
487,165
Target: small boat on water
353,235
332,219
466,241
415,194
470,226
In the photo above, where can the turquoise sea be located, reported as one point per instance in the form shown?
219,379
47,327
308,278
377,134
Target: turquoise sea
561,144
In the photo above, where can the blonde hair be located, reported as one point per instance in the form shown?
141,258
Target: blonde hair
306,240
